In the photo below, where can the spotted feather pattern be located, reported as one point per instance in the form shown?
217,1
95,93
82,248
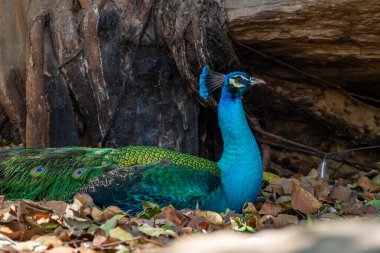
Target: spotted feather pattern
59,173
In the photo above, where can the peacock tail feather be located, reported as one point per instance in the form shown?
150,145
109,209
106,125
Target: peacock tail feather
59,173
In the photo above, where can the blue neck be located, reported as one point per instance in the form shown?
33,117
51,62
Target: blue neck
240,163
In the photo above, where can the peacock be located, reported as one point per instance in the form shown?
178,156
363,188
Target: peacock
127,176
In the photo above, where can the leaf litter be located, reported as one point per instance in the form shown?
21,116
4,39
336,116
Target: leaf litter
80,226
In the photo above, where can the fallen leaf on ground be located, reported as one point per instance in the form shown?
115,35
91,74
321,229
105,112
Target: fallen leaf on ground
48,240
56,206
365,183
240,226
62,250
212,217
342,193
121,234
109,212
303,201
270,177
172,214
270,208
55,225
109,224
2,198
291,219
155,232
99,240
322,190
376,180
250,208
375,203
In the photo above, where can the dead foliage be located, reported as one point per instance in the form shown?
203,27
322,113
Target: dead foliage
80,226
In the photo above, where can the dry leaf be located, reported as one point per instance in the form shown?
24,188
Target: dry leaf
270,177
254,221
2,198
56,206
322,190
313,174
48,240
61,250
303,201
121,234
85,199
156,232
291,219
187,230
274,188
368,196
375,189
250,208
83,249
212,217
287,185
170,213
109,212
342,193
365,183
96,213
270,208
98,241
376,180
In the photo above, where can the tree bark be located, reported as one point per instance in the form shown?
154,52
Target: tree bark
38,113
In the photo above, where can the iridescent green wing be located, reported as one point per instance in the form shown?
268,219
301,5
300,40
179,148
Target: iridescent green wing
163,184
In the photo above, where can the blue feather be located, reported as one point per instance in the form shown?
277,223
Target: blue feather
203,90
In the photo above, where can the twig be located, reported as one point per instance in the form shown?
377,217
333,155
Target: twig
359,165
255,125
300,150
365,98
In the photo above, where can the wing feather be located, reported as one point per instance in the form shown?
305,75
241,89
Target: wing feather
163,184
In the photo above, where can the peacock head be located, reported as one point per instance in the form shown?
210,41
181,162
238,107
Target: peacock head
235,83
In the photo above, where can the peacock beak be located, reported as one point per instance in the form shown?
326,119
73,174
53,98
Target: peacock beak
256,81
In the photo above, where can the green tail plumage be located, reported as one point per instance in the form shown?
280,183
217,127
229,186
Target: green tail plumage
49,173
59,173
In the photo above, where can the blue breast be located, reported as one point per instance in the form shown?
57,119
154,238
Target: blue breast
240,163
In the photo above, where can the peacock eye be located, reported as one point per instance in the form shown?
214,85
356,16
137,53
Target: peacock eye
78,173
37,171
239,79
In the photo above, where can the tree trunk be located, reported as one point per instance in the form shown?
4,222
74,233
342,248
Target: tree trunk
118,73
